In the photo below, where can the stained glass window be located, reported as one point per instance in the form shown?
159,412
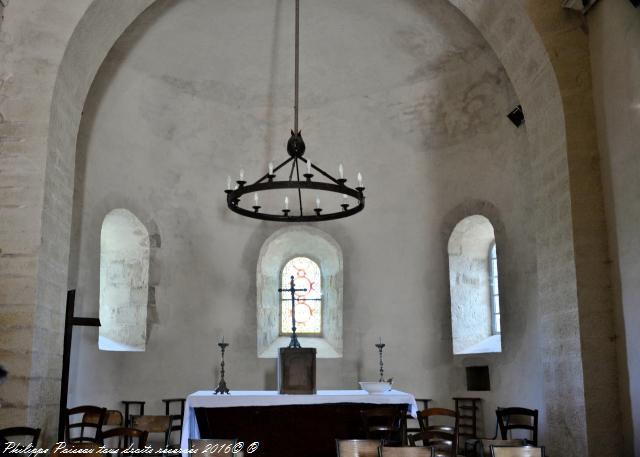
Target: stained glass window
306,275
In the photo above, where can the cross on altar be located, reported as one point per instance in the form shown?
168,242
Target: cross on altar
294,343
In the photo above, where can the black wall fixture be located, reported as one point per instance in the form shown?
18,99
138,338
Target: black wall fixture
516,116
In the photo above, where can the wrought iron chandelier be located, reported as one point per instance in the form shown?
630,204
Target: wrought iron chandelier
350,203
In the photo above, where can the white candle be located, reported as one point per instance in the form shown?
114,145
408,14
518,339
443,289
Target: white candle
360,179
270,168
242,174
317,202
256,199
344,196
228,182
286,202
380,340
308,167
341,171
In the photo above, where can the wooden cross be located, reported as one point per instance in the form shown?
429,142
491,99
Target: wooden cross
294,343
69,322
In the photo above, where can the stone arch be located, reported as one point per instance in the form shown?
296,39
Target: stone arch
518,46
276,251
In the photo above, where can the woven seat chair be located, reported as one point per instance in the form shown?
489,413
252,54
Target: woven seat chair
517,451
358,448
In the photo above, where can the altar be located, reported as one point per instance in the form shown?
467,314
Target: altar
285,425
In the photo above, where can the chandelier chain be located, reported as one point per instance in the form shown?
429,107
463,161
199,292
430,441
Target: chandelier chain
297,68
296,149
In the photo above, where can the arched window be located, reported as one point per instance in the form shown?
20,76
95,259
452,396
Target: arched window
473,281
314,259
493,290
306,275
124,282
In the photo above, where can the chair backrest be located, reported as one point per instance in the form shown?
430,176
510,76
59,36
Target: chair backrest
118,438
517,418
358,448
11,433
517,451
153,424
382,423
386,451
212,447
113,418
439,429
486,445
94,429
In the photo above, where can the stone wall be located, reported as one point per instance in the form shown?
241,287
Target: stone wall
566,38
50,54
614,41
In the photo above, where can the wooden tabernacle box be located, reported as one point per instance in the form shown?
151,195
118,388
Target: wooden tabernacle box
297,371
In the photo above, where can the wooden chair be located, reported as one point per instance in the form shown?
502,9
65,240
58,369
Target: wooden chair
82,426
118,438
213,447
127,407
516,418
176,419
483,445
386,451
443,437
358,448
11,433
383,423
153,424
113,418
425,405
517,451
83,449
468,409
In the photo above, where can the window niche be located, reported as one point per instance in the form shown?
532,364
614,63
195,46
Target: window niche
274,263
473,280
124,282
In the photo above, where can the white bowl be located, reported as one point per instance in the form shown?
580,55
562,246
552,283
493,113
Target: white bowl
375,387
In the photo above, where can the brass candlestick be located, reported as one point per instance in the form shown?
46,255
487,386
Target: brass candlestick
222,385
381,345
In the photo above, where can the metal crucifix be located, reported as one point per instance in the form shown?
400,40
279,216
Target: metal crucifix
294,343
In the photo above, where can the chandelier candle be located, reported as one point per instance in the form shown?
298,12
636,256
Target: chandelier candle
289,177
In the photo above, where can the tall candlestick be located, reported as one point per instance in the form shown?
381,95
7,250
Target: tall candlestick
381,345
241,174
286,202
341,171
317,202
228,182
360,180
256,199
222,385
308,166
270,168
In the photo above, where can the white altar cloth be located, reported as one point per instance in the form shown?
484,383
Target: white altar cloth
240,398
